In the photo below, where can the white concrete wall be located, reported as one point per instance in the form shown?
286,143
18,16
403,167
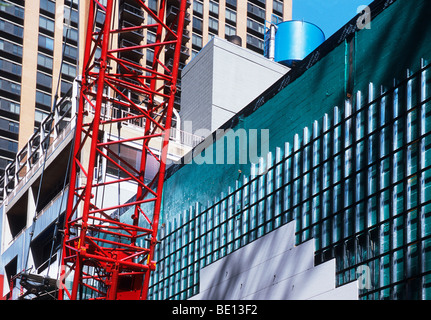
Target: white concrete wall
196,91
221,80
273,268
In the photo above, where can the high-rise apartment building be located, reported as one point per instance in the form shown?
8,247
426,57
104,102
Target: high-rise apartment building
40,45
247,19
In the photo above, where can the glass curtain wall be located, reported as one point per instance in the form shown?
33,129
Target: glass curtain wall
358,183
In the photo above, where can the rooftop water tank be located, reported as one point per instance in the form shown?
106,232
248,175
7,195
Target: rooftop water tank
294,40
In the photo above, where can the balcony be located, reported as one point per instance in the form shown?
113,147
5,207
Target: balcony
170,64
131,13
132,54
176,3
186,36
45,141
134,35
171,14
132,67
170,50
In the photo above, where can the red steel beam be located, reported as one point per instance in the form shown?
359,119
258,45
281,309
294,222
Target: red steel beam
101,256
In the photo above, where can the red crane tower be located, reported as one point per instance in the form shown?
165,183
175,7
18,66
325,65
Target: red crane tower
102,257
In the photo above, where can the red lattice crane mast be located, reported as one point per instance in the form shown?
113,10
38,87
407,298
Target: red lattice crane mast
102,257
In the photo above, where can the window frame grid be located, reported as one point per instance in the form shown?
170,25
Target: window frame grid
242,197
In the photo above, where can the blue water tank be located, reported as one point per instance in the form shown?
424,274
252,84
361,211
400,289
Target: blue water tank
294,40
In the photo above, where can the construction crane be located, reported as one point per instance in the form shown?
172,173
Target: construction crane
103,257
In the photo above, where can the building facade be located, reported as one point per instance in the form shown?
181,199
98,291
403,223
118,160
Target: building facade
349,135
247,19
40,46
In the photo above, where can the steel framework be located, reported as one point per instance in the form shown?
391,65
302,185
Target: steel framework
102,257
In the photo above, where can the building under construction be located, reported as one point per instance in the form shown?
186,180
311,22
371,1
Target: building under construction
314,185
144,46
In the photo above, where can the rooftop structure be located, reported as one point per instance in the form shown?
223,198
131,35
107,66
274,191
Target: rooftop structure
220,81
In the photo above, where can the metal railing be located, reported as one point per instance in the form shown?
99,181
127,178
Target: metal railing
42,143
176,135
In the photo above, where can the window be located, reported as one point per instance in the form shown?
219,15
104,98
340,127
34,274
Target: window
151,20
8,145
152,4
43,99
70,34
277,6
276,19
15,88
255,42
426,186
255,26
76,2
132,155
11,28
198,7
13,10
10,86
150,55
70,52
231,3
213,7
47,5
426,151
229,30
43,80
9,106
8,125
194,53
39,115
46,43
68,70
10,47
44,61
197,40
71,16
65,87
213,24
256,11
197,24
230,15
151,37
46,24
10,67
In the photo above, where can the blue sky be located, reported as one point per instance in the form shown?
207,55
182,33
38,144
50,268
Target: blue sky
329,15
